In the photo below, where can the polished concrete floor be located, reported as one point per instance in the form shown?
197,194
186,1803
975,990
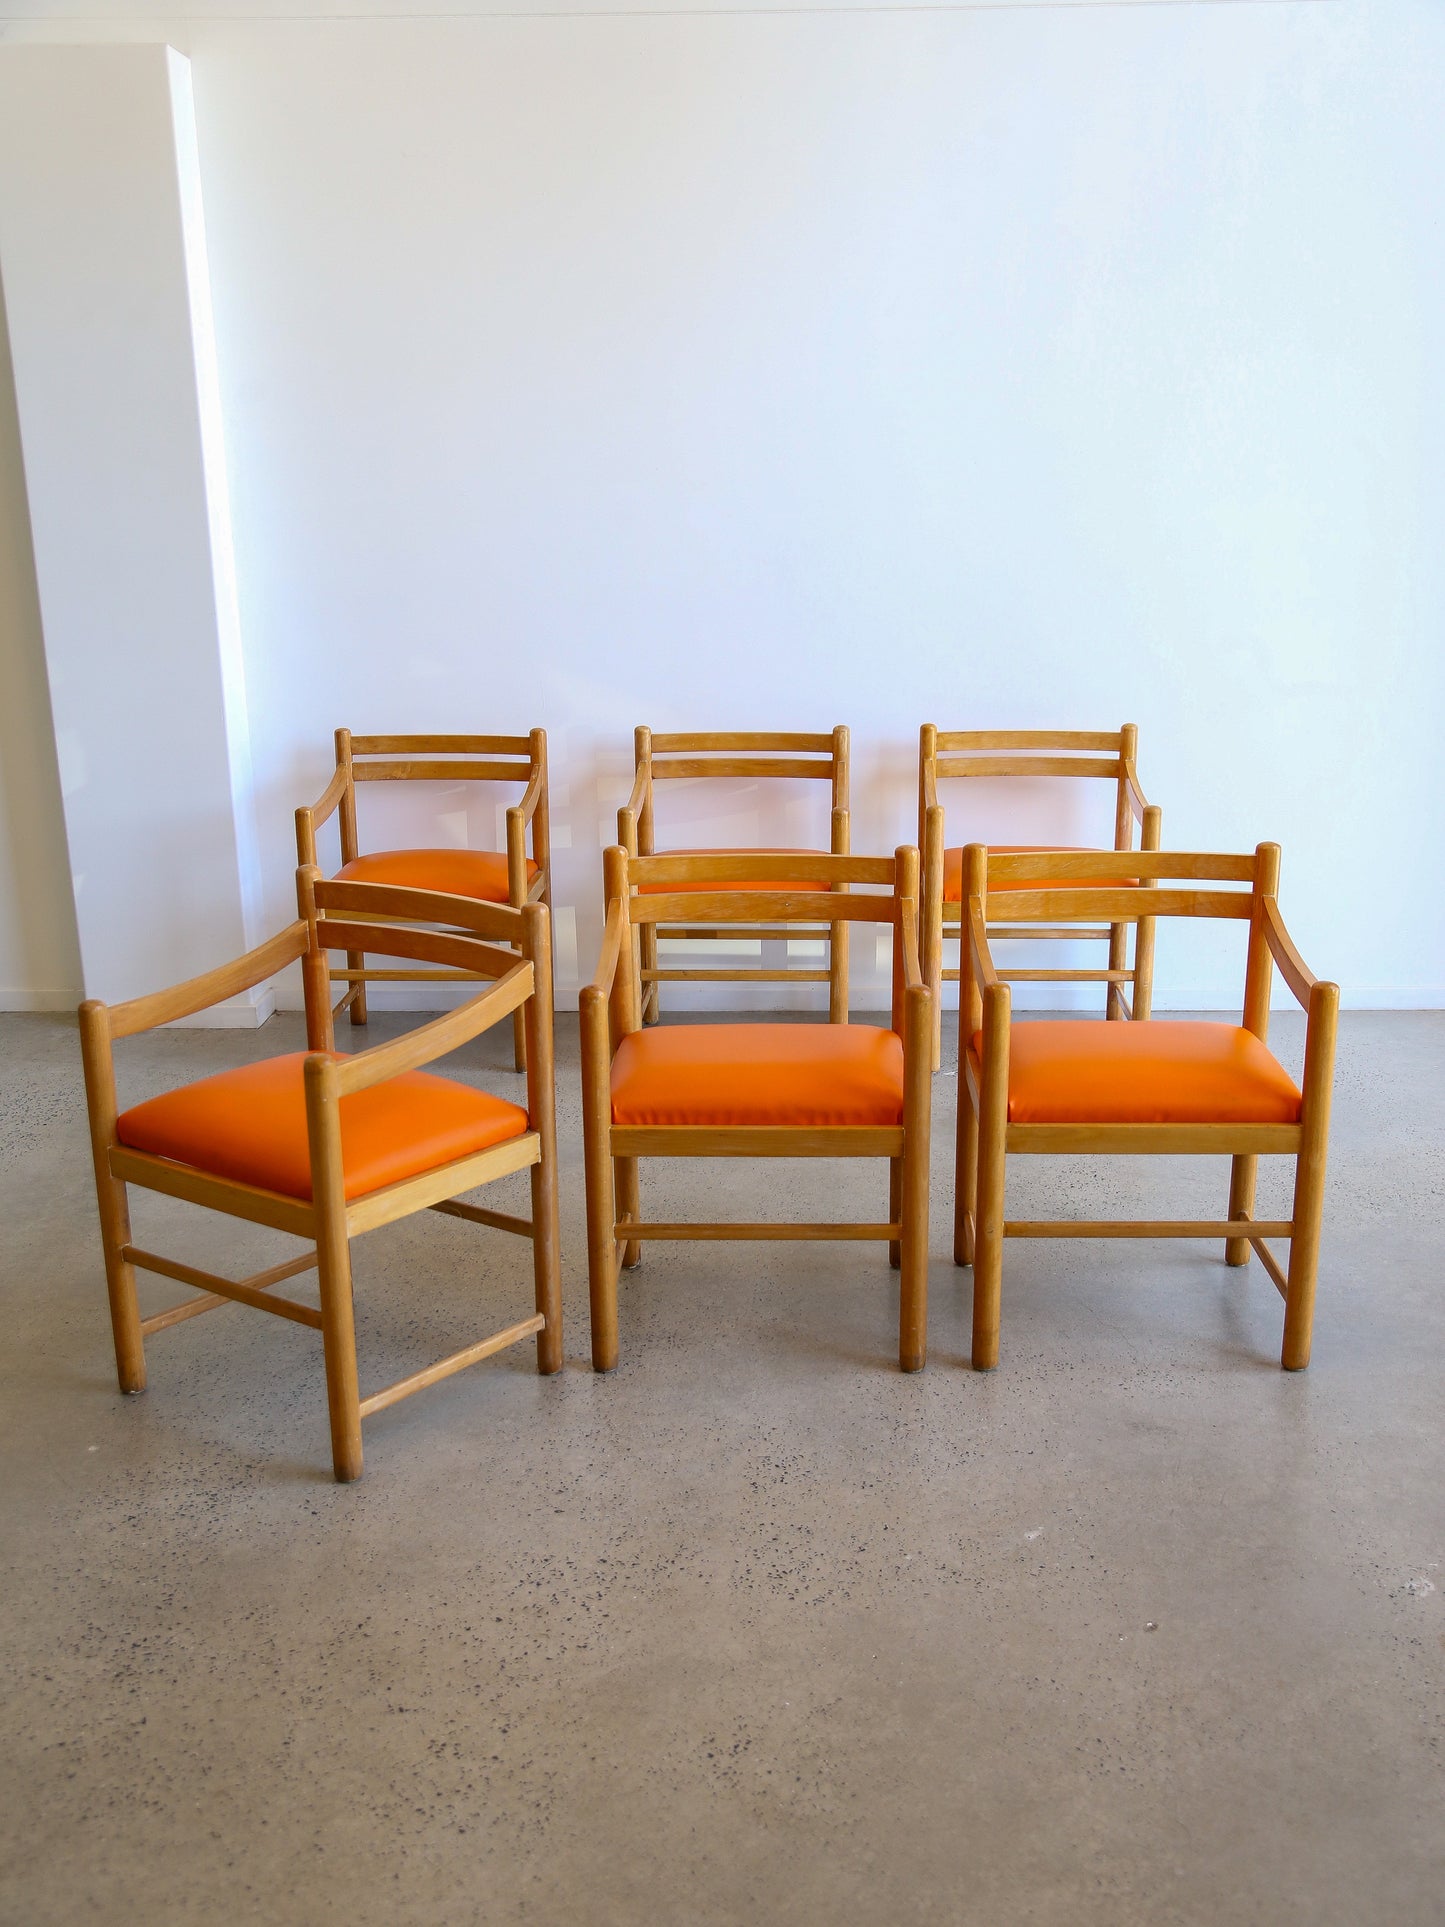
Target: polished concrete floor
1136,1629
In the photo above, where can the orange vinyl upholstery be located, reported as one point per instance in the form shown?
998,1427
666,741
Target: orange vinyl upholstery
1160,1072
666,889
759,1074
953,871
250,1125
458,873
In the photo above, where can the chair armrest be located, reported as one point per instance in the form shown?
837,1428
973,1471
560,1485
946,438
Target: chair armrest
1138,801
607,962
531,796
1292,967
211,987
912,970
434,1040
641,785
310,818
978,942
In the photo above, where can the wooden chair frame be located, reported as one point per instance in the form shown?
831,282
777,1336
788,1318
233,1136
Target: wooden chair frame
946,755
435,759
985,1136
611,1007
720,756
511,948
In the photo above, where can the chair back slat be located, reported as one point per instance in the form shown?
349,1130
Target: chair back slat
441,746
762,906
444,948
420,770
1007,765
498,921
966,741
759,866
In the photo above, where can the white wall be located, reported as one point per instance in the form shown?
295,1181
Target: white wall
1021,366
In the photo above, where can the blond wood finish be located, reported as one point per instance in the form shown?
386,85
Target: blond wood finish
424,759
947,755
611,1009
730,755
512,953
986,1135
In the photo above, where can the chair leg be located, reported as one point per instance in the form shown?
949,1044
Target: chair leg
1118,960
629,1205
1304,1262
547,1267
651,992
895,1208
1242,1172
338,1336
519,1041
597,1171
913,1273
965,1176
130,1357
838,974
988,1234
355,960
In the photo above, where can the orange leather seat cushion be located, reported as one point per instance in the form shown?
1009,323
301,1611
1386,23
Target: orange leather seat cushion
250,1124
666,889
953,871
812,1074
459,873
1158,1072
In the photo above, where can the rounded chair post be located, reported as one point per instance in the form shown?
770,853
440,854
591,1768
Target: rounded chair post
917,1102
542,1118
1309,1177
99,1067
333,1266
597,1171
992,1134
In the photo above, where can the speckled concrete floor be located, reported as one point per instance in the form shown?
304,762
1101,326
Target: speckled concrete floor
1137,1629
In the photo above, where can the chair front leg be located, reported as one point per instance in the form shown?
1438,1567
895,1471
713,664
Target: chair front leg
989,1193
1309,1176
597,1171
917,1104
333,1266
130,1358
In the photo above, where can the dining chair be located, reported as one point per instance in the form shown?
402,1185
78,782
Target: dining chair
1160,1087
746,757
512,876
790,1090
325,1147
1108,755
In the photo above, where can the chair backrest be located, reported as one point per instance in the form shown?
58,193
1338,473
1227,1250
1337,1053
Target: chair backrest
431,759
488,939
861,889
1108,754
1042,887
715,755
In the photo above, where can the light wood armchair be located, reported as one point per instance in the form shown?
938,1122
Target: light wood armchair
513,877
746,756
754,1090
1155,1087
325,1147
1108,755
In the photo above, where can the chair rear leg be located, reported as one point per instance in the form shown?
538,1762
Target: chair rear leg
1242,1172
519,1040
651,992
895,1208
838,974
965,1177
629,1205
356,960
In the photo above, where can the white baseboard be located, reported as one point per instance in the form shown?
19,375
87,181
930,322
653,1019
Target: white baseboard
49,1000
241,1013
